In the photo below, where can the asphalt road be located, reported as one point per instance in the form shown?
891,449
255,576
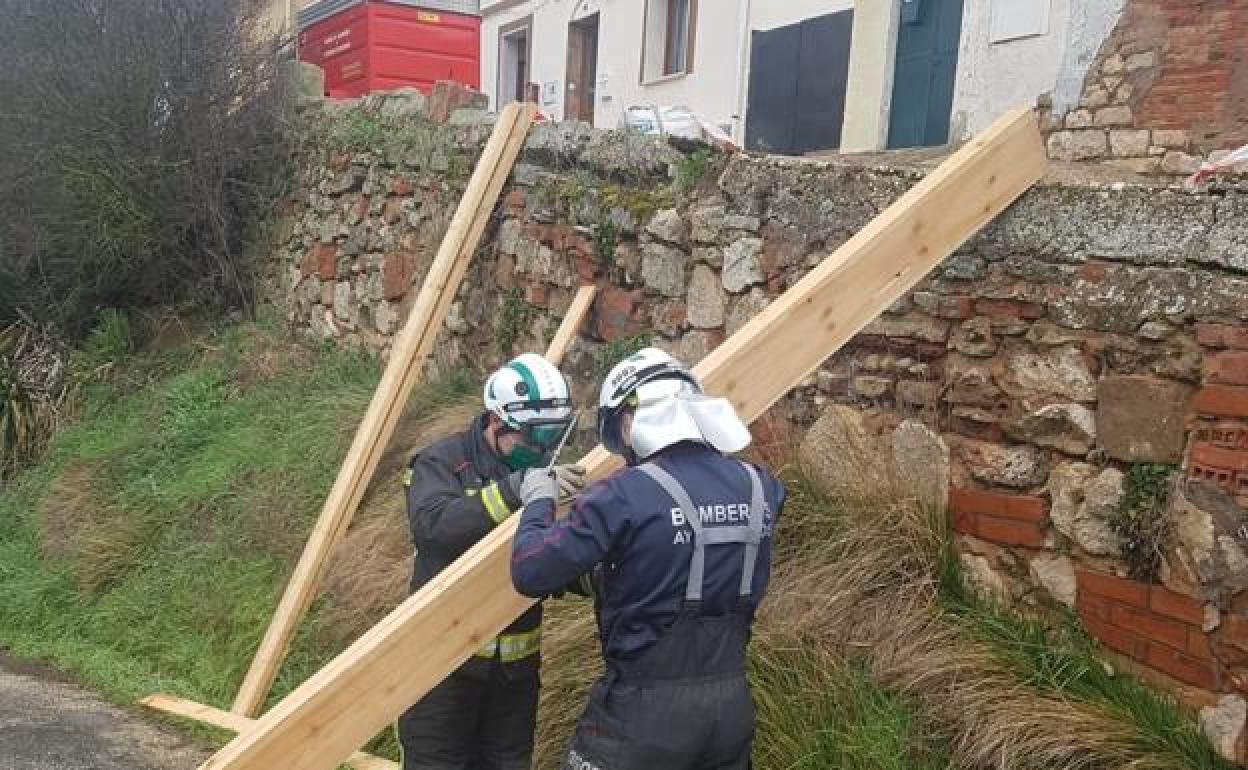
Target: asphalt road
47,723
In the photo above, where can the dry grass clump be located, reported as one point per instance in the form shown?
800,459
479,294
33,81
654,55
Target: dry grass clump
855,662
369,570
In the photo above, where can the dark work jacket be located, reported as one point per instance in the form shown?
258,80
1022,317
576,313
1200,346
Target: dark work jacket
447,514
630,525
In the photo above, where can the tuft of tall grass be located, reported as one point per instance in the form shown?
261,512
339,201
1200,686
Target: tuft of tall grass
868,654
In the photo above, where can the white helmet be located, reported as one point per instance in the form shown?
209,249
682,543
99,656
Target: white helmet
668,407
531,396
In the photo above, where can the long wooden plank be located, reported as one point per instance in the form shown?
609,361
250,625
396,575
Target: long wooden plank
236,723
571,324
411,348
436,629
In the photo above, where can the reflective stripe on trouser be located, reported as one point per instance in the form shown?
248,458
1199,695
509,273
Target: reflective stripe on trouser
513,647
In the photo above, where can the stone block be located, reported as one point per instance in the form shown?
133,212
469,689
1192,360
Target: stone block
1015,467
1060,372
1141,419
1177,162
742,268
706,299
1114,116
1113,65
1080,118
871,387
915,327
1084,502
663,269
975,338
1095,96
1068,428
1056,574
922,458
1129,143
1139,61
1224,726
668,225
1078,145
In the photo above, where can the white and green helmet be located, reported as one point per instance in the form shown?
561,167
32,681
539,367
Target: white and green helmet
530,395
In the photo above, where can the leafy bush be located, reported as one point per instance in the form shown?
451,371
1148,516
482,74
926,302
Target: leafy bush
141,139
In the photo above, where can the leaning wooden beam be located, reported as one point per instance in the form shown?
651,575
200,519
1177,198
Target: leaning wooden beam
235,723
435,630
572,321
411,348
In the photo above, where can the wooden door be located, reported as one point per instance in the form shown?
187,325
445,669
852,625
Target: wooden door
580,90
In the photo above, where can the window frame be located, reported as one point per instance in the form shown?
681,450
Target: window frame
664,72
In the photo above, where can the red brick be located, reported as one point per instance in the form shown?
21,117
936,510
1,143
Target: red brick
1008,307
537,294
1110,587
1150,626
615,314
1020,507
1010,532
1177,606
1235,631
1093,607
1227,368
1116,639
963,521
325,257
401,186
1198,645
586,268
1222,401
1182,667
396,274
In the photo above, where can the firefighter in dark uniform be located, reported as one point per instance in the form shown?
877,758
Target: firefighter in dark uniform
684,538
482,717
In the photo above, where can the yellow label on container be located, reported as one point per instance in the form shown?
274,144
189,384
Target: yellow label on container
432,18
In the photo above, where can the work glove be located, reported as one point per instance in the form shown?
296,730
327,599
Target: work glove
528,486
571,480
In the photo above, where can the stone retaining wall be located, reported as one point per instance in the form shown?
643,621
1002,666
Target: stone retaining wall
1090,334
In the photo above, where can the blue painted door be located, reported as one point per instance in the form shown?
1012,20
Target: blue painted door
927,63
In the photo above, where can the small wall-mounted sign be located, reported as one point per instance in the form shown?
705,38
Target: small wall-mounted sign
550,92
429,18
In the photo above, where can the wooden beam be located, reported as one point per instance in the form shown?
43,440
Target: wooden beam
235,723
411,348
572,321
436,629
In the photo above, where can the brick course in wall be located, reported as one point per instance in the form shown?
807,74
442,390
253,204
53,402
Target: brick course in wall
1150,624
1169,88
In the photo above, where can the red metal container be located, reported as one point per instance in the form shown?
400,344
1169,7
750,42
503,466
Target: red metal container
369,45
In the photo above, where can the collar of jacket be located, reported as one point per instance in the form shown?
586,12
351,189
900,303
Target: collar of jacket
487,463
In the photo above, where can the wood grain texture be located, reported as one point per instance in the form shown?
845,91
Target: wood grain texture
436,629
235,723
571,324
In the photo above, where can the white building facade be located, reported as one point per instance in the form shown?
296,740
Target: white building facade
795,76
